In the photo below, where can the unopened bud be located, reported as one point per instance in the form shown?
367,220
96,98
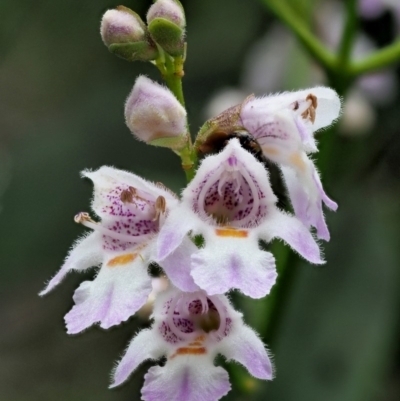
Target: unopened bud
126,35
154,115
122,26
170,10
166,21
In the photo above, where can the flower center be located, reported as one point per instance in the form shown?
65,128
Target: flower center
230,196
191,315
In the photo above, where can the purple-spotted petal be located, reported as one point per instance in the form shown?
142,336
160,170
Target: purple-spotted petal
121,287
146,345
231,187
86,253
193,378
233,262
108,186
177,266
243,345
294,233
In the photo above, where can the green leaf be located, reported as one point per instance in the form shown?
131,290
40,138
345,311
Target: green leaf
133,51
168,35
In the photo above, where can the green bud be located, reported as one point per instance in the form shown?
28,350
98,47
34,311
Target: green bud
126,35
166,24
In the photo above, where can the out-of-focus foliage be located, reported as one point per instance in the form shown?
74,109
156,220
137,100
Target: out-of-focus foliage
62,95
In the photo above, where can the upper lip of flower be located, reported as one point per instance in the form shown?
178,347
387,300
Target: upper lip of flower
230,194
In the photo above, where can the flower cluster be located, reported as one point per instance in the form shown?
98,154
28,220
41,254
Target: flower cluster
207,242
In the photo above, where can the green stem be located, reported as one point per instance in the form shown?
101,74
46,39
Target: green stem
171,69
314,47
348,35
379,59
173,77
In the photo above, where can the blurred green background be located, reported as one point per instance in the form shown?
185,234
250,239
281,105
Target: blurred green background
62,95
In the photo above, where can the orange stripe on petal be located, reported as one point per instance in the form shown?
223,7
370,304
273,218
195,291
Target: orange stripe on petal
189,351
122,260
231,232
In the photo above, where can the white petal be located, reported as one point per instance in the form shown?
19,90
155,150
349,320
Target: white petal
177,224
87,252
232,259
148,344
243,345
190,378
293,232
117,292
177,266
327,111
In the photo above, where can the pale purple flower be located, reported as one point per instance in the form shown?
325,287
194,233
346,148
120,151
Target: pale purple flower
122,243
190,330
121,26
154,115
284,126
171,10
230,203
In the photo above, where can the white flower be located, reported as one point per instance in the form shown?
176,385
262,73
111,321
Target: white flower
190,329
230,202
131,211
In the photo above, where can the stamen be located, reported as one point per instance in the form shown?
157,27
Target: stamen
127,195
84,219
310,111
314,100
160,206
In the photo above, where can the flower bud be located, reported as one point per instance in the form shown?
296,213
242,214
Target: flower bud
126,35
155,116
121,26
166,21
170,10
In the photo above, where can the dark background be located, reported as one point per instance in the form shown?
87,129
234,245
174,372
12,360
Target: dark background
62,95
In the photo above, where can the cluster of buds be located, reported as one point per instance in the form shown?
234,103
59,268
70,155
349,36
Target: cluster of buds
127,35
229,205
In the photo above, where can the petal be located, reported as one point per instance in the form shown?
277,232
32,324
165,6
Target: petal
146,345
243,345
119,290
306,194
293,232
328,108
186,379
177,266
232,185
227,262
108,184
86,253
177,224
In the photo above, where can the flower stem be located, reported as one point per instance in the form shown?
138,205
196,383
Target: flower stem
171,69
348,35
379,59
316,49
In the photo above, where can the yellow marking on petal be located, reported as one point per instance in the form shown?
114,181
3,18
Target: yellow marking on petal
231,232
122,259
195,344
270,151
297,160
189,351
